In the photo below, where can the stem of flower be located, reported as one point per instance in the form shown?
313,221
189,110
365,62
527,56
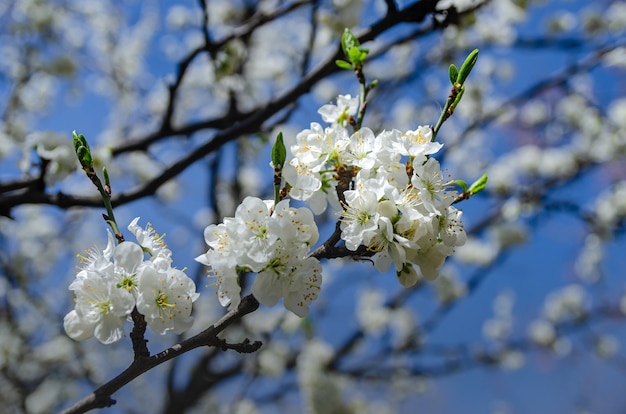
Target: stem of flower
105,193
447,110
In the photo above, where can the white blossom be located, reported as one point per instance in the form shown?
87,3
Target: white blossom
165,299
341,113
112,282
411,143
360,218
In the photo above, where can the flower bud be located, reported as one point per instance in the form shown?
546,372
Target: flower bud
407,276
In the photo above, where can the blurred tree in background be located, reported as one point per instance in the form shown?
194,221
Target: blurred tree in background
181,102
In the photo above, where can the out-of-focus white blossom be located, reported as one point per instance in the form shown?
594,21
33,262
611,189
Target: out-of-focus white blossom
542,332
562,346
562,21
403,323
512,359
58,151
273,358
477,252
46,395
500,326
610,206
588,262
372,314
449,286
567,303
321,390
244,407
616,57
606,346
508,234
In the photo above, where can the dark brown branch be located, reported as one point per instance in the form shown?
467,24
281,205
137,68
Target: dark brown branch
140,344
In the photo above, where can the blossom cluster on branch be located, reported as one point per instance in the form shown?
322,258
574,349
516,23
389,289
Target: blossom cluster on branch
118,279
273,241
389,195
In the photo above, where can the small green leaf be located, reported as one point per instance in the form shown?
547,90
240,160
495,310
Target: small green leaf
348,41
467,67
343,64
461,184
84,156
82,150
478,185
79,141
279,153
454,74
355,54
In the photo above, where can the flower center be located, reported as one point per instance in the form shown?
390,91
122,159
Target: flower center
162,302
128,282
104,307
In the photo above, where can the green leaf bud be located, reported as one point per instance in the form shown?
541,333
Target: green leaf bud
343,64
467,67
478,185
354,55
84,156
454,74
79,140
349,41
279,153
82,150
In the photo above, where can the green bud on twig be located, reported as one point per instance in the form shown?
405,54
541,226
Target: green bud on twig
454,74
279,153
478,185
467,67
348,41
342,64
352,50
82,150
457,78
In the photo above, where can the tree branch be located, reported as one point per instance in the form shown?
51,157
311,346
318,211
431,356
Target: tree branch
101,397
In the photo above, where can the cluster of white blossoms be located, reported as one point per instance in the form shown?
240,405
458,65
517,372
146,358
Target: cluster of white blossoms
275,242
390,196
397,204
112,282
